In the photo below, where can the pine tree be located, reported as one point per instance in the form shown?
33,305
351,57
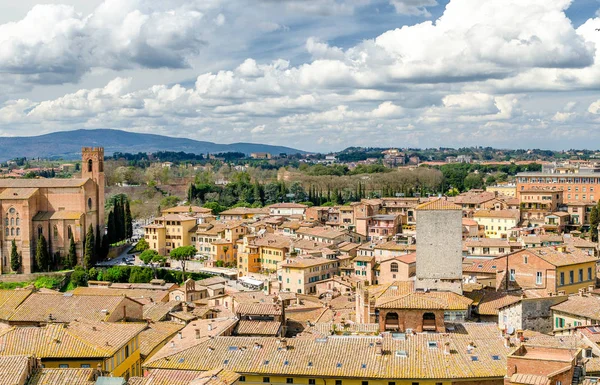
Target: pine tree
41,254
72,256
111,228
129,220
90,244
15,258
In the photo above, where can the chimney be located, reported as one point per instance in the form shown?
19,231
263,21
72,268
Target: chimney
186,308
581,292
180,335
257,345
197,333
470,347
172,344
283,344
447,347
210,327
591,288
379,348
507,341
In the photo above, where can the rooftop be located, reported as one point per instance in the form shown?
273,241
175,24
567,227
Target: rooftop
409,358
438,204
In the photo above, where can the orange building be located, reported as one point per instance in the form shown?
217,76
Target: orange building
577,187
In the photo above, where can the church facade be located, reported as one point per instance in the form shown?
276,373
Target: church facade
57,208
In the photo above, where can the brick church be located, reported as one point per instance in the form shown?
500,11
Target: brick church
57,208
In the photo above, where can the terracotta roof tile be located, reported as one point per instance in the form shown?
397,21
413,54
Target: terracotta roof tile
329,357
582,306
39,307
53,376
438,204
78,339
155,334
13,368
258,328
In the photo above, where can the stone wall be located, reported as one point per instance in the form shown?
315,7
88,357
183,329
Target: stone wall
439,250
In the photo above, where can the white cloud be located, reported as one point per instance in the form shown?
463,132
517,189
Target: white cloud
413,7
469,77
54,44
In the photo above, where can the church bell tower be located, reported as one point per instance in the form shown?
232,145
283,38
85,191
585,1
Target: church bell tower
92,167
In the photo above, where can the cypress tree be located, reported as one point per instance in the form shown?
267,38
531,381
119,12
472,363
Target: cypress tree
90,244
41,254
129,220
98,245
105,247
111,228
15,258
72,256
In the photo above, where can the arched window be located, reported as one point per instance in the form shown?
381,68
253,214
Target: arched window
394,267
7,232
70,232
18,220
12,231
18,231
12,221
40,231
90,203
101,165
6,220
90,164
55,232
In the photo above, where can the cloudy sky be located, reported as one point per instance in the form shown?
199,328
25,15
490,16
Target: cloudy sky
318,75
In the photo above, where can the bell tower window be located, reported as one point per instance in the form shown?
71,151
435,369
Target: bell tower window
90,164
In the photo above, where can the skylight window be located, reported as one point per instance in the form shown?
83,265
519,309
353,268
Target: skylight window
225,362
432,344
363,366
338,365
474,358
496,358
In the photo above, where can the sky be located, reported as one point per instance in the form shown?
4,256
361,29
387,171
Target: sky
318,75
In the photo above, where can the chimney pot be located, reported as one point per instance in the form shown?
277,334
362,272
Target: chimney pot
197,333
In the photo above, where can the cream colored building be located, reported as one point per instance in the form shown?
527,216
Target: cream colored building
508,189
301,274
497,223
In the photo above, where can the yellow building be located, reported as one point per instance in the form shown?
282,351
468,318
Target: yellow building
508,189
272,250
497,223
111,347
577,310
217,240
433,358
552,269
170,232
301,274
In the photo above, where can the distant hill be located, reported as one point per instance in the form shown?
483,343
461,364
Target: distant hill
67,144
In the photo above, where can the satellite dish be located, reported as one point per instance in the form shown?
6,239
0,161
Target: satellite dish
510,329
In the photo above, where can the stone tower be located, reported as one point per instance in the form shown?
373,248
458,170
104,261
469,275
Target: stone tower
439,246
92,167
